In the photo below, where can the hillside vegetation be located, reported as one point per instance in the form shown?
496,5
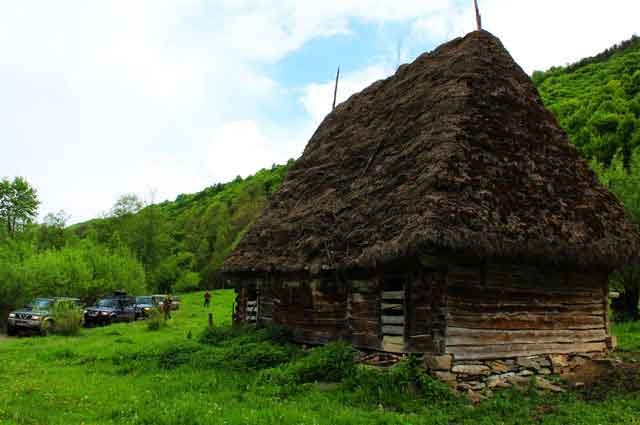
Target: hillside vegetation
182,243
188,374
597,101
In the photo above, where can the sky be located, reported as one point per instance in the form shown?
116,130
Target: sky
162,97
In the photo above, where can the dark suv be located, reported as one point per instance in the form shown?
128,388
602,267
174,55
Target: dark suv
144,306
37,316
119,308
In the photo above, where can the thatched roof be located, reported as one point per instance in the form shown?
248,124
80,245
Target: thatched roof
454,153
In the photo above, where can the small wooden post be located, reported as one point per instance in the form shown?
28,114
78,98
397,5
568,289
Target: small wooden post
210,320
335,91
478,16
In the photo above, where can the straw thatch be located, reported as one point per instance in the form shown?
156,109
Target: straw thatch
455,153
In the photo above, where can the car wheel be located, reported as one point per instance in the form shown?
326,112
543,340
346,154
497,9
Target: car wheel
11,330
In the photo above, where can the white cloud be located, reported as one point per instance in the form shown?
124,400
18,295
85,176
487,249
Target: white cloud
317,98
548,33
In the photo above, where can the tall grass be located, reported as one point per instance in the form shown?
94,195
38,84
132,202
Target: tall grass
67,319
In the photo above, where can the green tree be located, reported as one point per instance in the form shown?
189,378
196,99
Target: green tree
18,204
624,181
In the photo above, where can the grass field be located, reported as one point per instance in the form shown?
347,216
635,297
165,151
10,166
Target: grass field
126,374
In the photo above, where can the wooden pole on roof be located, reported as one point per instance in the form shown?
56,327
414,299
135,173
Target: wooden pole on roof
335,90
478,16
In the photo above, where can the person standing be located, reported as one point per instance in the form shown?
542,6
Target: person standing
166,307
207,299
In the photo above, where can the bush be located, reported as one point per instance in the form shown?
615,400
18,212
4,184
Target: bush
177,355
401,384
67,319
243,334
155,321
329,363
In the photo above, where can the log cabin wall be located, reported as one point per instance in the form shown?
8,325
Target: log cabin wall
506,311
264,301
364,314
426,314
313,310
240,311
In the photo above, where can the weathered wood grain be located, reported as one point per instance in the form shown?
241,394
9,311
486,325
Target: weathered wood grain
486,352
392,330
462,336
525,321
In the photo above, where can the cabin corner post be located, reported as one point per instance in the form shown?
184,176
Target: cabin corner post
611,340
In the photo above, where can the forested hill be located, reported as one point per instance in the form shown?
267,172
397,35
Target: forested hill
597,101
182,243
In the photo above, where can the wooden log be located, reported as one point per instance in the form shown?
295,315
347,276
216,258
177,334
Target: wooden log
392,330
393,344
525,321
392,320
462,336
391,307
521,350
393,295
465,293
456,307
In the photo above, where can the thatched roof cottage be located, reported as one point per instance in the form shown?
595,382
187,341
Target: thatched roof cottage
442,210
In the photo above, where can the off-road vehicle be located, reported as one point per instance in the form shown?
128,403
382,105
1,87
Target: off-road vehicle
117,308
37,316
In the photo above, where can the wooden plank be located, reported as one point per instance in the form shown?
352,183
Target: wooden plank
389,306
457,307
462,336
465,293
521,350
392,330
393,344
393,295
392,320
525,321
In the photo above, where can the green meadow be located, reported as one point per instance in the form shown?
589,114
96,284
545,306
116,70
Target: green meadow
186,374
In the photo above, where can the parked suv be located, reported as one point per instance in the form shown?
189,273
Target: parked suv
158,300
37,316
144,306
118,308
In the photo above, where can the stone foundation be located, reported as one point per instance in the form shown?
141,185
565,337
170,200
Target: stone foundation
484,376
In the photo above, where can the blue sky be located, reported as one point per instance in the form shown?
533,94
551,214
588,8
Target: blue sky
161,97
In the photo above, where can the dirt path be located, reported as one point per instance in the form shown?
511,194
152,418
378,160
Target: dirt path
3,338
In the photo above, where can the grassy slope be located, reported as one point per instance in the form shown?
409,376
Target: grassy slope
112,376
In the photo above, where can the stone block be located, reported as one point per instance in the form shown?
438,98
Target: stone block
499,381
543,384
559,360
438,363
528,362
473,386
500,366
446,377
471,369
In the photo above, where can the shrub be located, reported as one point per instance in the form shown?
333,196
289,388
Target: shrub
403,383
329,363
243,335
245,356
155,321
177,355
67,319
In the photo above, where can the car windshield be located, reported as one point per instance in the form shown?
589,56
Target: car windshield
41,304
107,303
143,300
